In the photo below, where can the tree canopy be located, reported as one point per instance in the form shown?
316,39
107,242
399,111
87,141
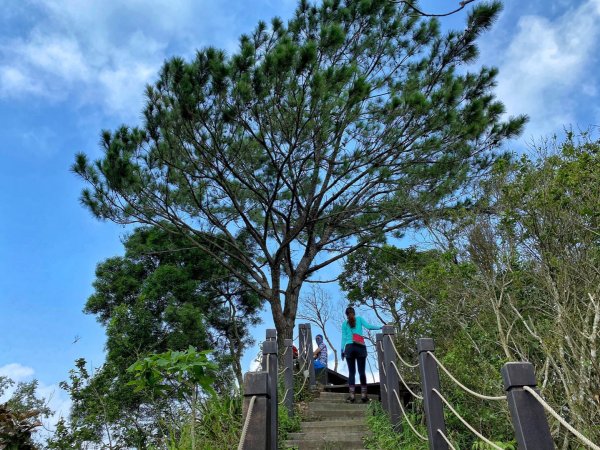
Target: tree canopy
317,137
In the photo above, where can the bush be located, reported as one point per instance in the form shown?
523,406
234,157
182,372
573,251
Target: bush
384,437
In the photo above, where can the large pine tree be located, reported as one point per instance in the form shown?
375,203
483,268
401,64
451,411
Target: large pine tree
353,121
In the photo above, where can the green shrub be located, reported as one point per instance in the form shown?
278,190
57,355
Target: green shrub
383,436
287,424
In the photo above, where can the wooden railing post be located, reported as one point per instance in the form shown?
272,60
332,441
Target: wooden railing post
382,373
288,377
271,334
257,384
430,379
392,380
270,365
528,416
306,353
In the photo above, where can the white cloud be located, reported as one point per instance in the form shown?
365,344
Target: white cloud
16,372
548,65
57,55
14,82
104,52
57,400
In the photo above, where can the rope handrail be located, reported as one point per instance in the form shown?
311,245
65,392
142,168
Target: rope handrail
423,438
382,365
476,394
304,360
407,364
301,387
404,382
446,439
467,424
247,421
568,426
287,391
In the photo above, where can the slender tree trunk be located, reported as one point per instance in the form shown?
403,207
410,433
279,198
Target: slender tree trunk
335,354
285,319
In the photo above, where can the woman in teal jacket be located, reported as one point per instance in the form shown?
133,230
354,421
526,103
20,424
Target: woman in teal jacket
354,352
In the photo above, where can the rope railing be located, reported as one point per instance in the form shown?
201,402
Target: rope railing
287,391
529,417
407,364
383,365
419,435
465,423
567,425
462,386
405,383
304,360
246,422
445,438
301,387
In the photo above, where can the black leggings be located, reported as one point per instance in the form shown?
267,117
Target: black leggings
356,353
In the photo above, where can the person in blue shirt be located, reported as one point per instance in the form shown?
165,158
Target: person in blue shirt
320,354
355,352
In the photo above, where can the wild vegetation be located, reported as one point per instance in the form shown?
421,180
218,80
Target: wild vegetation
515,277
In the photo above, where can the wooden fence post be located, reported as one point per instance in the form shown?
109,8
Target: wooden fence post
306,353
430,379
288,377
259,423
383,395
528,416
392,379
270,365
271,334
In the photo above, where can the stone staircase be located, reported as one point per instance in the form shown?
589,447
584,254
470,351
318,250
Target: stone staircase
331,424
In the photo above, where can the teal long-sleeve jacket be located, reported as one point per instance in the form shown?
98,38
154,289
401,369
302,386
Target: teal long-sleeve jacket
347,332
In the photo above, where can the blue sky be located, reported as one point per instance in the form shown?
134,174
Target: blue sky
70,68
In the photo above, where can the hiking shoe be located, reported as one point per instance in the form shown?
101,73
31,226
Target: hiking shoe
350,399
364,399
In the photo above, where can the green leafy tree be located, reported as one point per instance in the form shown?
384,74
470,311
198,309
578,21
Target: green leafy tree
165,294
21,415
176,374
162,295
353,121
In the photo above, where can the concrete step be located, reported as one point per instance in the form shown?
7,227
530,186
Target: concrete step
340,409
338,403
333,395
341,397
334,414
350,424
333,434
339,406
323,444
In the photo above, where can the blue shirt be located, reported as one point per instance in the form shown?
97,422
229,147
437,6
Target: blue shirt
347,332
323,353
